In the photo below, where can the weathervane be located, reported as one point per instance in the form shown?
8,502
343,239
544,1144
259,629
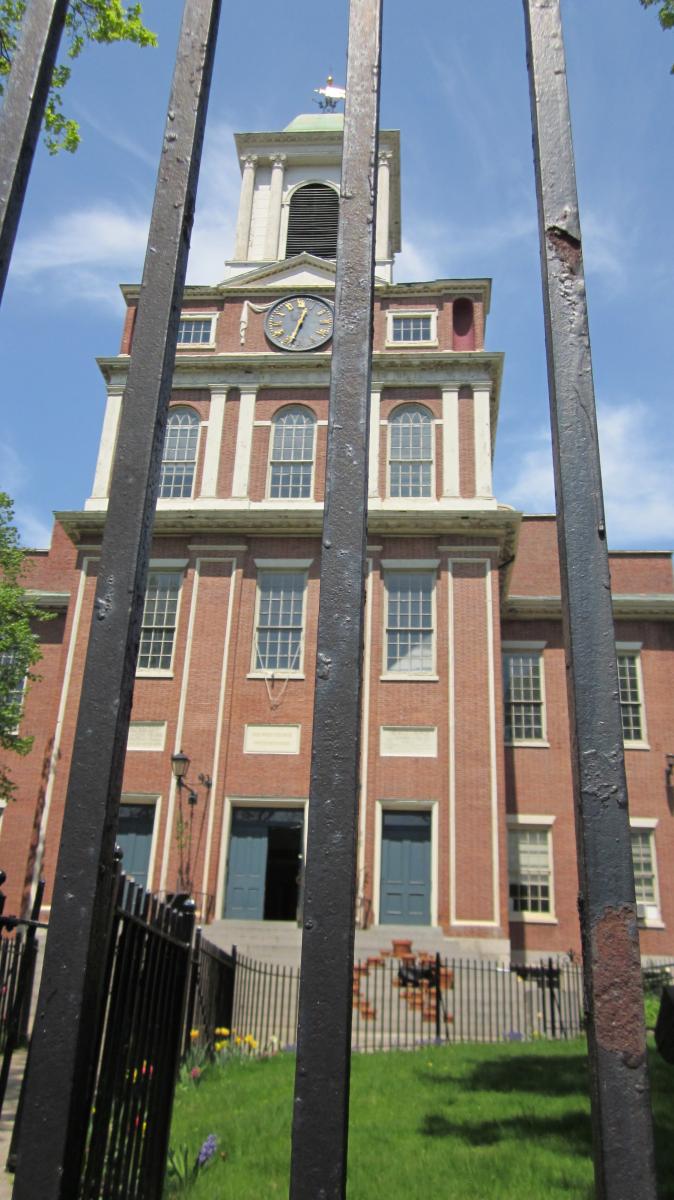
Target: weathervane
331,94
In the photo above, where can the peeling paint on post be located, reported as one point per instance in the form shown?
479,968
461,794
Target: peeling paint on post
621,1117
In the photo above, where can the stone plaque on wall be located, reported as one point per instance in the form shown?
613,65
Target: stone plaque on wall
271,739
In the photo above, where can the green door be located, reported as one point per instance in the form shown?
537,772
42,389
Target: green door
134,837
406,869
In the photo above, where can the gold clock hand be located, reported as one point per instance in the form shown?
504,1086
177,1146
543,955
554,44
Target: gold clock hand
297,327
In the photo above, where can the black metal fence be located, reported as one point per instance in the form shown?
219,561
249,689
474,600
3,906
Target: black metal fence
400,1002
211,991
18,956
140,1048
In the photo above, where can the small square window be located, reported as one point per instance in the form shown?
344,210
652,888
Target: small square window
411,328
195,331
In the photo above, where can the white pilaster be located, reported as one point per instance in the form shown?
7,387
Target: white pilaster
216,416
383,201
106,449
245,208
375,438
244,444
451,482
483,482
271,246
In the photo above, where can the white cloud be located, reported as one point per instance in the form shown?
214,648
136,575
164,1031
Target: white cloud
217,204
636,474
97,236
34,531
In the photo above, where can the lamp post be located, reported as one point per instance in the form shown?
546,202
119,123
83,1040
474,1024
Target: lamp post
180,765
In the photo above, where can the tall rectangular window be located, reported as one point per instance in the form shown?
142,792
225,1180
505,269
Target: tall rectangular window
523,695
195,331
645,878
409,622
157,635
631,704
12,689
292,454
279,626
529,871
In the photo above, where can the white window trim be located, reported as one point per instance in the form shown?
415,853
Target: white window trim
542,742
167,500
412,312
405,500
301,566
292,500
633,649
536,821
172,566
196,315
649,916
426,566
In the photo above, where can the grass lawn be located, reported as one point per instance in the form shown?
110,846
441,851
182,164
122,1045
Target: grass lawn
473,1122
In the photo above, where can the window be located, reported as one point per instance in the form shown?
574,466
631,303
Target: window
195,331
408,328
409,622
12,685
292,454
312,221
180,454
411,452
645,876
629,680
523,695
280,621
157,635
530,871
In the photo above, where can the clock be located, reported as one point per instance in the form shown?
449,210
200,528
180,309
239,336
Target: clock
300,323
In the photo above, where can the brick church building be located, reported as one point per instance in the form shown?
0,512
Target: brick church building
466,816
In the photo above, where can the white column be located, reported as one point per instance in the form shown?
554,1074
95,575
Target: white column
375,438
216,416
106,449
451,482
244,444
271,247
481,417
245,208
383,196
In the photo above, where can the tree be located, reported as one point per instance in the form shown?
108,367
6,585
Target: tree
19,648
665,13
101,21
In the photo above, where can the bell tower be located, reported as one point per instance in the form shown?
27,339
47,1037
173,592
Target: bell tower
290,193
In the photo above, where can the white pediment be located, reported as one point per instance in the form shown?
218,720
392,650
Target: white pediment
304,270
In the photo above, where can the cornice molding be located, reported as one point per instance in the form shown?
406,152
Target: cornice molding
657,606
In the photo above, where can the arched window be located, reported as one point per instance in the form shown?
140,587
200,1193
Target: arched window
180,454
411,452
464,324
312,221
292,454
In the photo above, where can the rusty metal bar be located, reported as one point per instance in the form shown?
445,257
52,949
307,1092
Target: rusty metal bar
22,112
58,1081
622,1126
319,1146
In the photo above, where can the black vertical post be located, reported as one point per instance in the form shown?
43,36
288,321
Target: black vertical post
56,1109
321,1109
438,996
22,112
622,1126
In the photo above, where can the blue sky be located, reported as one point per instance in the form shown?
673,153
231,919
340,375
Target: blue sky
454,82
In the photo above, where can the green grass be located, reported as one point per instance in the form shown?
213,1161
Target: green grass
473,1122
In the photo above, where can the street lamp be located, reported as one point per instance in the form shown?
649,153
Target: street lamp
180,765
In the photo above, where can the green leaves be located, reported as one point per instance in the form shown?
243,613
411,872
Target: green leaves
665,13
101,21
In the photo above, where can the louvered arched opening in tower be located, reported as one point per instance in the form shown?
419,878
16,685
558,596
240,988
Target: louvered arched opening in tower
312,221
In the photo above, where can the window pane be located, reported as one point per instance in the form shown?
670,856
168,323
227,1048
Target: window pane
278,637
180,454
523,696
529,870
630,697
412,329
409,634
643,861
11,689
194,331
292,455
411,452
157,634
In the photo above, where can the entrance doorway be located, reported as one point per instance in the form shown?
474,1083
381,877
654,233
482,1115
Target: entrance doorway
405,868
265,864
134,837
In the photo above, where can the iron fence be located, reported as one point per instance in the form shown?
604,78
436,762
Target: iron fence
211,991
402,1001
140,1046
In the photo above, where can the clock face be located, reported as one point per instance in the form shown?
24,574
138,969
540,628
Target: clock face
300,323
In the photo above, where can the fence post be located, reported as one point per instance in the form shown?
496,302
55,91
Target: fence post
622,1126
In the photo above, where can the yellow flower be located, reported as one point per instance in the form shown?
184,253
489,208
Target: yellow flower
194,1034
218,1047
237,1041
222,1031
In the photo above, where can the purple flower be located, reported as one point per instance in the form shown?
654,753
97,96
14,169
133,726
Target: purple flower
207,1150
